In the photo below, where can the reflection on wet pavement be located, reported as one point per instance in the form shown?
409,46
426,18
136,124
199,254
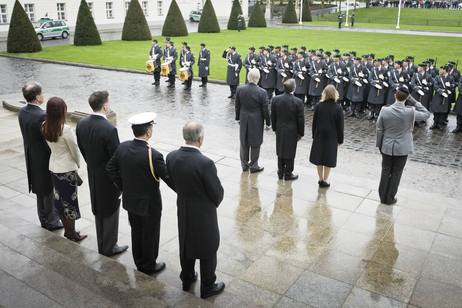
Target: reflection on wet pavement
283,244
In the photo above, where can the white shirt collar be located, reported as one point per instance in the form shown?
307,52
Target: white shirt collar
191,146
99,114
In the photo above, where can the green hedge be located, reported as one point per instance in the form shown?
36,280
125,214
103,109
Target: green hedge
21,34
174,24
257,17
86,32
209,21
306,11
135,25
290,15
236,10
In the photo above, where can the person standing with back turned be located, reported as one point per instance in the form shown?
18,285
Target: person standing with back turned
394,139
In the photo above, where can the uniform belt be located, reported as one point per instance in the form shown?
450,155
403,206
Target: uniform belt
203,59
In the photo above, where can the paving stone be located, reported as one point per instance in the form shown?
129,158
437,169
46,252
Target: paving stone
360,298
430,293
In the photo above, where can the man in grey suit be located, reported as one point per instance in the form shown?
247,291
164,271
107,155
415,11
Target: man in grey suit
252,111
395,141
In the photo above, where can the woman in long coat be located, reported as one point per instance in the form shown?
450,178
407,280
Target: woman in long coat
327,134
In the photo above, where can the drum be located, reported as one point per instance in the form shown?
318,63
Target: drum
184,74
165,69
150,66
424,81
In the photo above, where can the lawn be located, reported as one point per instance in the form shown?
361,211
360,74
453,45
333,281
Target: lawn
387,26
411,17
133,55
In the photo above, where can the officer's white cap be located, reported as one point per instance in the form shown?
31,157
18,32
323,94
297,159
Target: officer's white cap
143,118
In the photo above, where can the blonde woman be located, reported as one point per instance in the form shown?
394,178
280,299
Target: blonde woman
327,134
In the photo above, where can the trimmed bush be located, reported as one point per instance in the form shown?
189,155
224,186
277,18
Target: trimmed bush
21,34
135,25
174,24
236,10
306,12
257,17
290,15
209,21
86,32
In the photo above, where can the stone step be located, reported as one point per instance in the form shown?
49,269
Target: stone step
72,275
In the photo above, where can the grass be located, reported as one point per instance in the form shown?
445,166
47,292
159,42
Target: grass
133,55
409,17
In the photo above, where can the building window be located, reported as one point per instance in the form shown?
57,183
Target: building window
109,12
90,7
3,14
144,6
29,8
61,8
159,8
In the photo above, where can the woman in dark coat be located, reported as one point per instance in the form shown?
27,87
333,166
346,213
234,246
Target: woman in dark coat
327,134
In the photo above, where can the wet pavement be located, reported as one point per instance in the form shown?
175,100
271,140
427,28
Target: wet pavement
282,244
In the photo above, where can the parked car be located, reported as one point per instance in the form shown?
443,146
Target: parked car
195,15
52,29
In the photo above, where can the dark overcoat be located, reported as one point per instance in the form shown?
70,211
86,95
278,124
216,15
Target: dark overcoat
233,69
157,52
288,122
268,80
458,106
300,84
376,96
204,63
252,111
282,66
316,88
327,133
195,180
36,150
98,140
422,82
440,104
355,92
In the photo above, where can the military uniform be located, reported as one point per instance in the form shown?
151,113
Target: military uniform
170,56
204,65
187,60
233,70
155,53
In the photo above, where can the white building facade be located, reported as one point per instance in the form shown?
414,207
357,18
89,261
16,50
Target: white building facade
107,12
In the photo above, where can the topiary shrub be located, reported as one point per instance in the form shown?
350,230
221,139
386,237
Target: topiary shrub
257,17
174,24
290,15
86,32
209,21
21,34
236,10
135,25
306,11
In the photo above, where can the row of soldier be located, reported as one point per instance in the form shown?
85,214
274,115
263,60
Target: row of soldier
447,4
364,83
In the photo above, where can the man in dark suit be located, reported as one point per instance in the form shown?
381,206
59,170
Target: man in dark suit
251,112
194,178
98,140
37,154
288,122
136,169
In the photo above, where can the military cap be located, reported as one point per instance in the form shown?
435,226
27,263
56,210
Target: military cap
294,49
301,53
270,46
252,48
328,53
143,119
399,62
261,47
424,64
337,50
430,60
277,47
346,54
391,57
452,62
203,44
337,55
357,58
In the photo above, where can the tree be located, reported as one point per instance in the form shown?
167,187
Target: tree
290,15
174,24
257,17
306,12
21,34
86,32
209,21
236,10
135,25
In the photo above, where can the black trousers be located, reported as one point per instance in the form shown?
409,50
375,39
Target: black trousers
156,75
300,96
392,169
47,213
205,80
439,118
285,166
375,109
356,107
249,156
188,82
459,121
314,100
208,267
171,78
233,88
145,240
107,232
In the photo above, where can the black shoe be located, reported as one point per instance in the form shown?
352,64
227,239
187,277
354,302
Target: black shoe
390,203
159,267
217,289
187,284
280,176
256,170
323,184
187,88
58,226
231,96
117,250
153,83
172,85
157,83
291,177
245,169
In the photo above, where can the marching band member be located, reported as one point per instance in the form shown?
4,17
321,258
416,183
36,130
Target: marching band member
204,64
233,69
155,54
187,61
170,57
